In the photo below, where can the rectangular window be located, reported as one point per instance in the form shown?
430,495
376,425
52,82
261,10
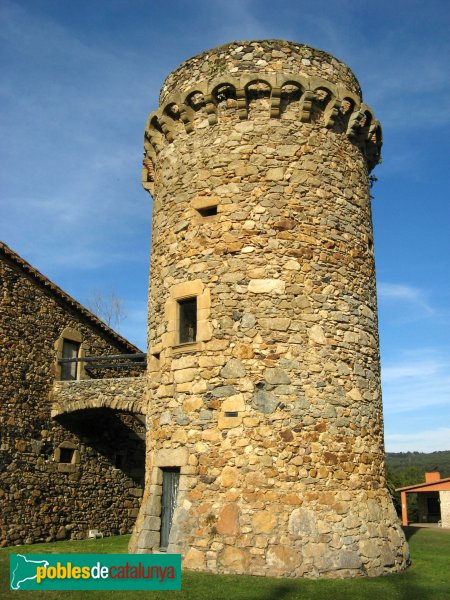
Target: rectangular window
187,320
170,484
70,350
66,455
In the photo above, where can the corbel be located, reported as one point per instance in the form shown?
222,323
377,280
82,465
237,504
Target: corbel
241,98
332,112
275,102
306,106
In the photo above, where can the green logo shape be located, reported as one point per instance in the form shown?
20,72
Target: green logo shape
95,571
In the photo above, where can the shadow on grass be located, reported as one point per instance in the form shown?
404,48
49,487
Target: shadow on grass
278,593
409,532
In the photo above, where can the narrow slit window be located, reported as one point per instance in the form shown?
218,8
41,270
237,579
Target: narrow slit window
69,370
187,331
170,485
208,211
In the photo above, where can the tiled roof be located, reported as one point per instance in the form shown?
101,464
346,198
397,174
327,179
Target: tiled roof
424,484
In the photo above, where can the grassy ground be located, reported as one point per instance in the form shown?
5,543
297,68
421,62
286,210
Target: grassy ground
427,578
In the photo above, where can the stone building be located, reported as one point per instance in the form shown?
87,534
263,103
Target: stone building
66,466
264,449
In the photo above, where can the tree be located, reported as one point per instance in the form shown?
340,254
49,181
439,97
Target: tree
108,306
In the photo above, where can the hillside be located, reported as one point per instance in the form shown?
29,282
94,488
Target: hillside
418,462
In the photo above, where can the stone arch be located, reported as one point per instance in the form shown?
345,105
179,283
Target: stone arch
172,111
193,107
374,142
120,404
148,166
258,94
346,109
366,121
154,133
224,96
170,120
375,135
359,125
290,100
195,100
324,101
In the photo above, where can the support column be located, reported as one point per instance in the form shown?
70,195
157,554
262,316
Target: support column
404,509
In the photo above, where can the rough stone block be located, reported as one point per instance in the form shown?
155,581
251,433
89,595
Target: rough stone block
303,521
225,422
275,323
148,540
233,369
171,457
267,286
228,521
223,391
284,558
194,560
234,559
152,523
264,522
233,404
265,402
184,375
276,376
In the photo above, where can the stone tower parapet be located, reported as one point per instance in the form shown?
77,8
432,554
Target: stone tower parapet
258,160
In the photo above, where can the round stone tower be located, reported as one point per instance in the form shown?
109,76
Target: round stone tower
265,432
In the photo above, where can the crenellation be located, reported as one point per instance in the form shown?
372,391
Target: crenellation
319,99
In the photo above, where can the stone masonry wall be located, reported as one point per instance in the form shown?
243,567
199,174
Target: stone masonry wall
126,394
444,498
262,56
273,414
41,498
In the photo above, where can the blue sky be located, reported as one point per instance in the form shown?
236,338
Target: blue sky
78,82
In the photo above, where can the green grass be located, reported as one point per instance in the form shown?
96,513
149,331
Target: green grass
427,578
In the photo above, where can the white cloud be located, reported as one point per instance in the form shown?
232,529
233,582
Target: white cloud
421,441
410,370
406,294
417,381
